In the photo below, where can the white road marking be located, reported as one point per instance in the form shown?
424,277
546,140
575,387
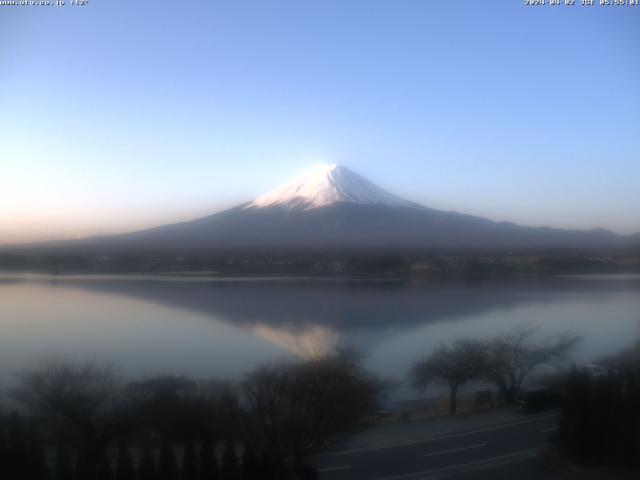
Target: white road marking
500,458
433,439
497,427
332,469
550,429
453,450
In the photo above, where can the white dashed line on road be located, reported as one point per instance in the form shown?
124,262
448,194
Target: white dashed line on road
435,438
468,465
453,450
333,469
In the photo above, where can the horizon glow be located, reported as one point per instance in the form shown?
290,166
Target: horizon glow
120,116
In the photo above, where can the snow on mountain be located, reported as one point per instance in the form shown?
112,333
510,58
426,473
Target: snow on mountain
326,185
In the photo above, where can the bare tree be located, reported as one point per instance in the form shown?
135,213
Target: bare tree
453,365
297,408
509,358
79,402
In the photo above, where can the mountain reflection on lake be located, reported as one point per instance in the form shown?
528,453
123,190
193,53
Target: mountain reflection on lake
226,327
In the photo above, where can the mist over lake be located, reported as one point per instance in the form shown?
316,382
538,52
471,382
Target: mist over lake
225,327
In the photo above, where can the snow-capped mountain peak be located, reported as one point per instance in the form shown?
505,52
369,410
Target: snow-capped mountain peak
325,185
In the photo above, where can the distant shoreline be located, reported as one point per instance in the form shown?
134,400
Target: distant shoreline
218,276
390,264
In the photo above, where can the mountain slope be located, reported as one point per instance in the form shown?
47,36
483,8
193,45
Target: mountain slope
336,208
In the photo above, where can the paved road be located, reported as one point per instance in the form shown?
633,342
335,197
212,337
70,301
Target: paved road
501,448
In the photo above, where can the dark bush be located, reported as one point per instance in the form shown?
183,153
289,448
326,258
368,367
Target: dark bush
38,468
208,461
600,422
539,400
18,451
230,467
147,469
270,466
105,471
63,468
4,453
189,462
251,464
167,464
124,467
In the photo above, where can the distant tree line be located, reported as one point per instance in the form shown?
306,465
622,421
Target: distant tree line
81,422
332,262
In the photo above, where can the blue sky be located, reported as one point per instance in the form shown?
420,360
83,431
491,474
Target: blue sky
120,115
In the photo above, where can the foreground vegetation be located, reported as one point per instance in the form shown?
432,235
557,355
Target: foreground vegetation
67,421
81,422
600,422
505,361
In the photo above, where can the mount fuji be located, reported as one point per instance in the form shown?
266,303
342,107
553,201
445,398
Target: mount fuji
325,185
333,207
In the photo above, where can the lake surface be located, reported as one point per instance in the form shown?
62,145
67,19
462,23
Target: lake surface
226,327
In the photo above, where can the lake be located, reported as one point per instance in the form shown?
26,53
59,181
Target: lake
225,327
